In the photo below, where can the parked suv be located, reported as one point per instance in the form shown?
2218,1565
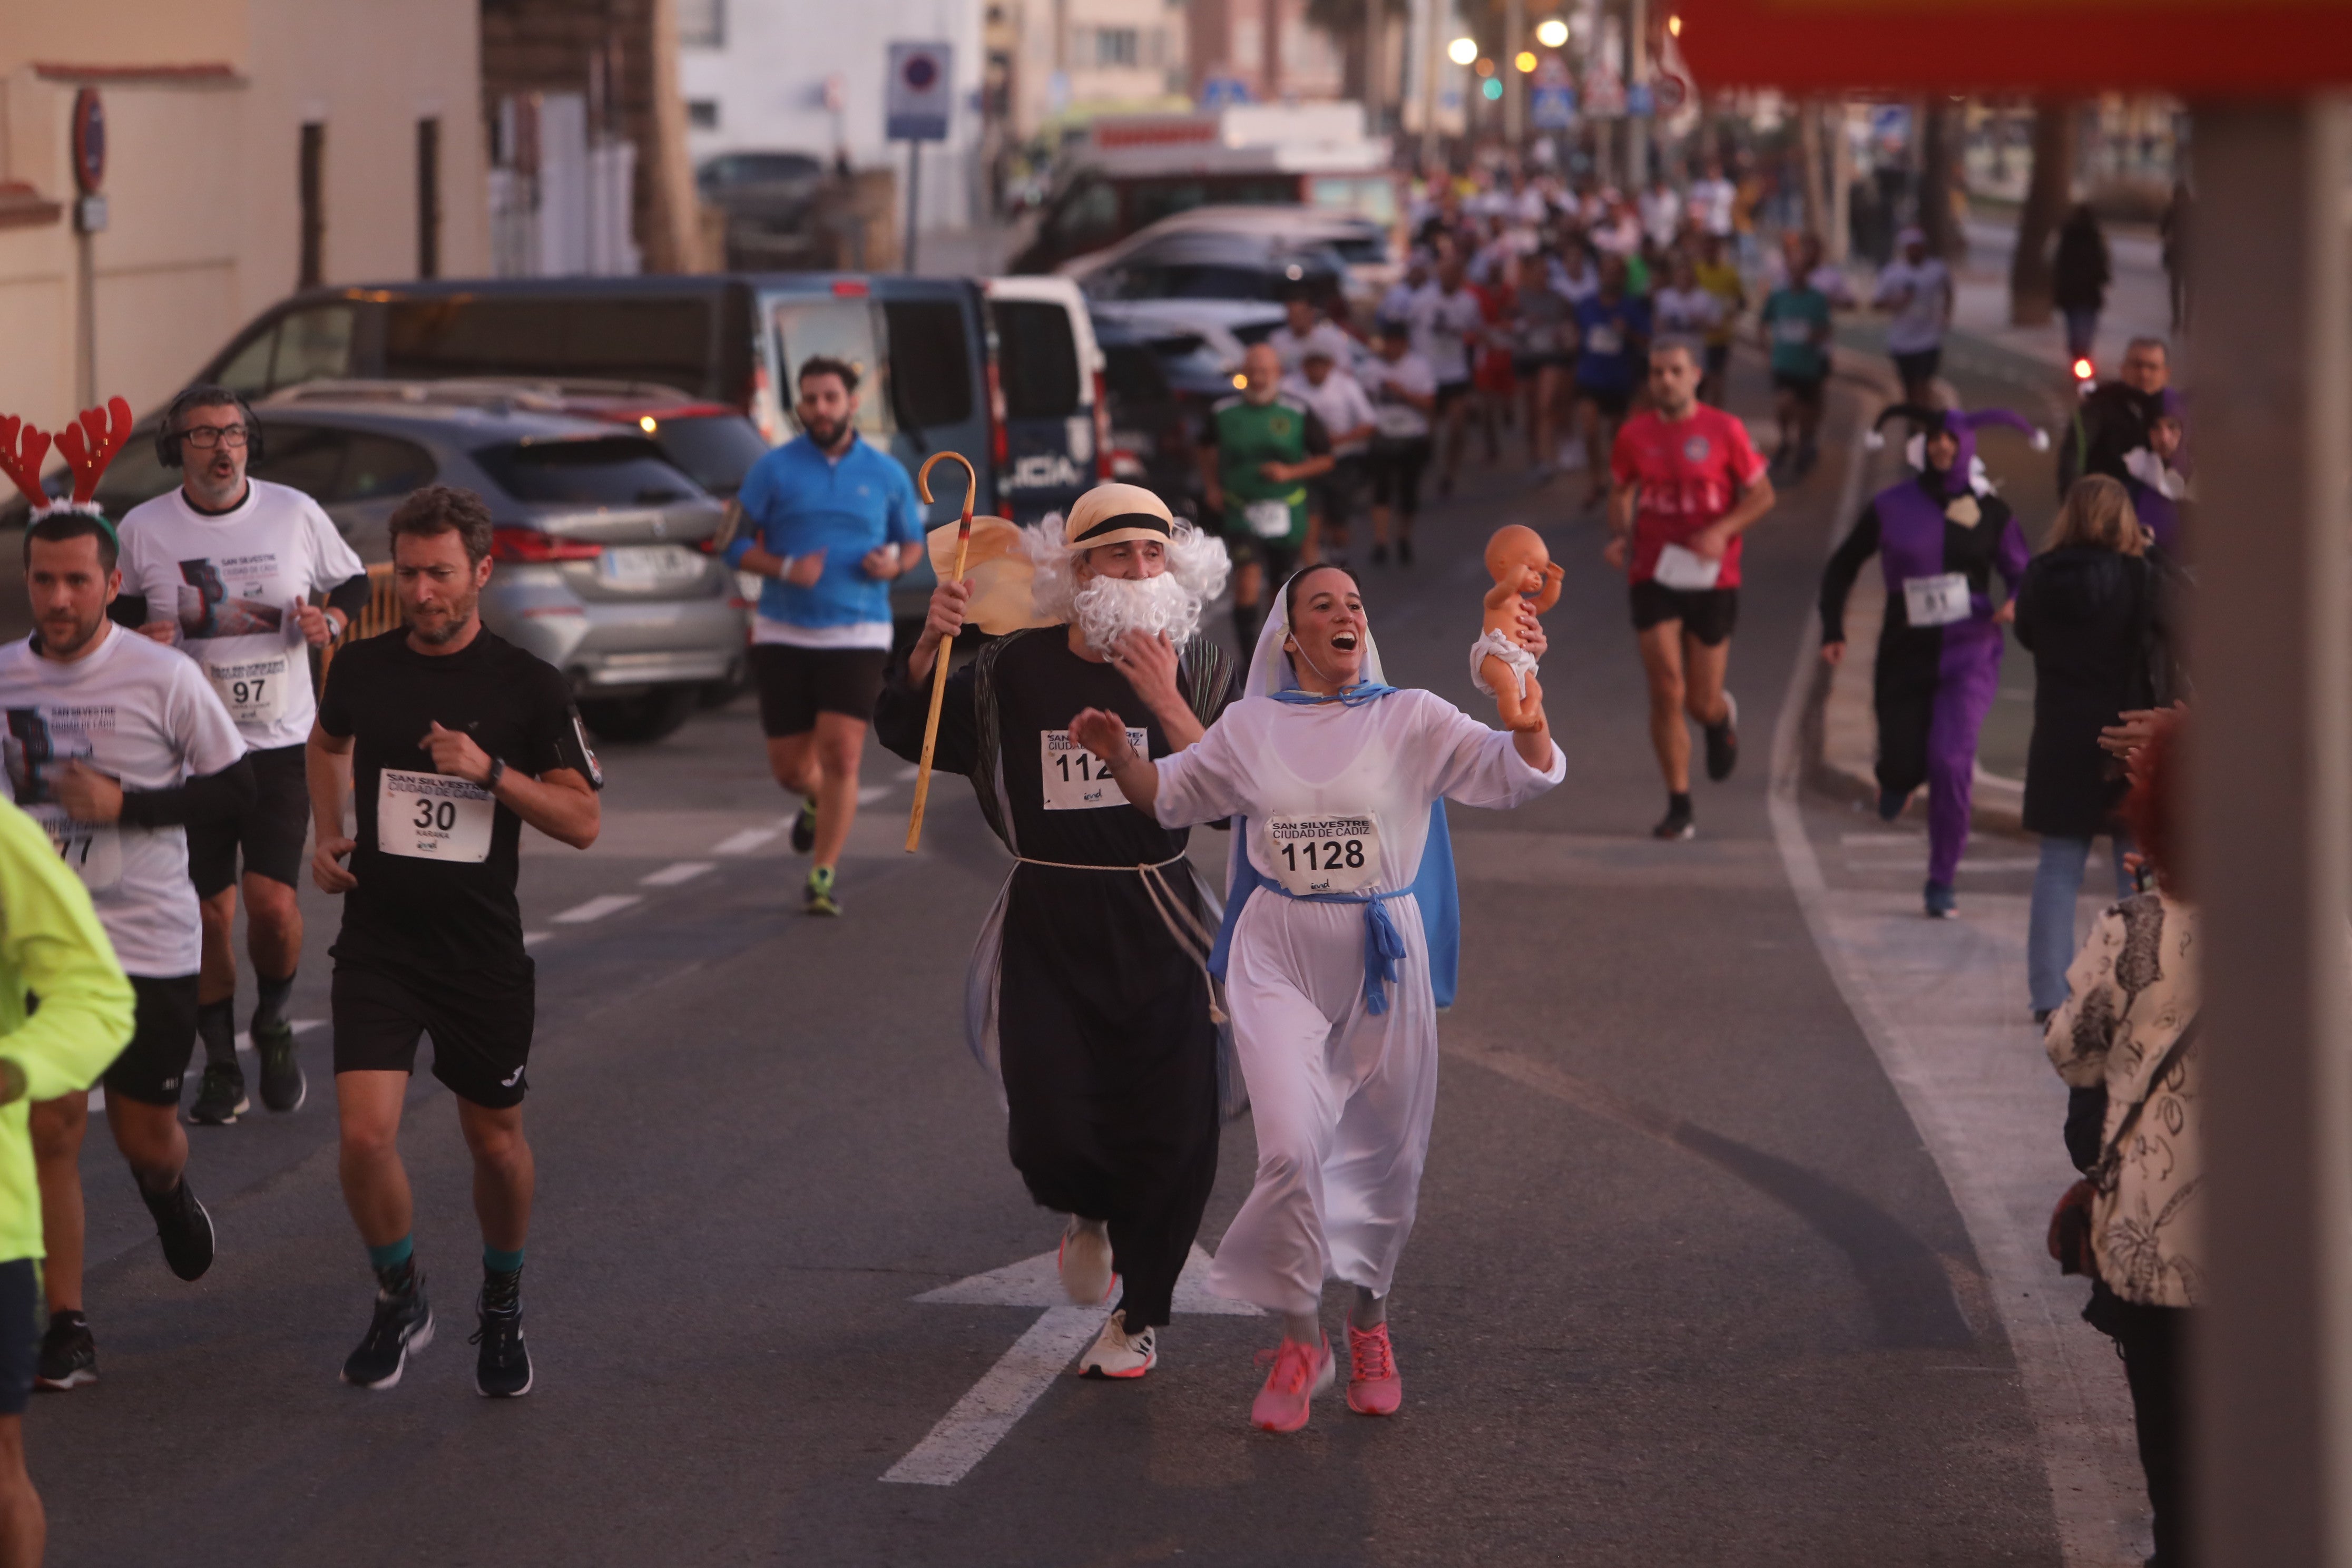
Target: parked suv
600,542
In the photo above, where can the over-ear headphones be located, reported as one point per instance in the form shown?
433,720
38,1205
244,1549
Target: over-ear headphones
204,395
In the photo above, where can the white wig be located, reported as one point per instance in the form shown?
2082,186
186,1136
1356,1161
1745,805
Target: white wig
1195,559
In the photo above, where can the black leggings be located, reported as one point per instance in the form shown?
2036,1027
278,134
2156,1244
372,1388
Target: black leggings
2150,1340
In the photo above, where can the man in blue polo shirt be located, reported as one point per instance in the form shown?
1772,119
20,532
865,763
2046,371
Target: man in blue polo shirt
830,521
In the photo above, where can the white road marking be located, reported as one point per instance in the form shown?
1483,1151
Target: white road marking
1880,840
871,794
1005,1392
300,1027
670,876
2009,863
743,843
597,908
532,938
909,773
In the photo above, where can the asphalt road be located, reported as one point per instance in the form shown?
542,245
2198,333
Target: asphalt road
1687,1288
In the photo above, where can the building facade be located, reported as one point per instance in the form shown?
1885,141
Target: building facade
1268,47
252,147
1088,56
793,76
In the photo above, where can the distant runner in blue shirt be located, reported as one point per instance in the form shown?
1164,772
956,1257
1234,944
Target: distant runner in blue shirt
1612,356
829,520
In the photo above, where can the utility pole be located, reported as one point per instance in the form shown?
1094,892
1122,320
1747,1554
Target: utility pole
1515,87
1637,71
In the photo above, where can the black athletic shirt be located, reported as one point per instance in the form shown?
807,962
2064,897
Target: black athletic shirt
424,913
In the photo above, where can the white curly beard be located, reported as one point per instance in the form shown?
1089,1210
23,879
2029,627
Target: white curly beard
1104,609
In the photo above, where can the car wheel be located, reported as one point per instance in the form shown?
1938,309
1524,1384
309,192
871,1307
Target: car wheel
649,716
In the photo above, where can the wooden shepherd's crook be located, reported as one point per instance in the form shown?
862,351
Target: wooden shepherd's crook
939,670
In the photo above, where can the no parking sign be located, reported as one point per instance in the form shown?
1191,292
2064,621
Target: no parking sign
920,93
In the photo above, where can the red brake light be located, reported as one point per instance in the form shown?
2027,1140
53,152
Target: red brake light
527,546
1000,442
850,288
2083,370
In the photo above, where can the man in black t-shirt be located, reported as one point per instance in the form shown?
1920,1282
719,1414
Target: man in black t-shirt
446,739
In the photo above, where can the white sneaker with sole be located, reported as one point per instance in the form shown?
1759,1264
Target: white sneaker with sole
1118,1353
1084,1262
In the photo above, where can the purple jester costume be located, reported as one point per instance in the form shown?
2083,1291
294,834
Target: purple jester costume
1939,536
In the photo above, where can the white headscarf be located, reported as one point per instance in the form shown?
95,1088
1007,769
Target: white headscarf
1270,670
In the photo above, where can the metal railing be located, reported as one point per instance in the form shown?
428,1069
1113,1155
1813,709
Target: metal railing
381,614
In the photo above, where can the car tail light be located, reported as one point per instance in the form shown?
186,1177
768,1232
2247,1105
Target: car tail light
1000,442
850,288
1124,465
2083,372
1103,465
527,546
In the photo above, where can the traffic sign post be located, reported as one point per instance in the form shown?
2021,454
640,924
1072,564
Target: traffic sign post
88,139
917,101
2270,759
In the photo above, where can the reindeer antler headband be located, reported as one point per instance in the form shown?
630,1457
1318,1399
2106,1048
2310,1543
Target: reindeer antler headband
89,444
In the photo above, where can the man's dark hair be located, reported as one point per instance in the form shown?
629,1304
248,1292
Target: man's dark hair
826,364
59,526
443,508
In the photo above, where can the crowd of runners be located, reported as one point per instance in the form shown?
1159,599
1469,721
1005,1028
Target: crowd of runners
166,735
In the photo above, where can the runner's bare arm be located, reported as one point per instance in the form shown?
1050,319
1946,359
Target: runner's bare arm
1105,734
327,760
559,803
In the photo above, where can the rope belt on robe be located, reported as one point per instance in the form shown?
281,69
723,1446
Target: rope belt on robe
1190,934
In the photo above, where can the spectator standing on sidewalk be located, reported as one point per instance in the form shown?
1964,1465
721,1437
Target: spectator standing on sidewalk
2090,612
2081,275
2125,1042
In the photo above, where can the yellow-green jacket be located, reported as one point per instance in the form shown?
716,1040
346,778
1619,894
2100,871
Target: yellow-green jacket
52,947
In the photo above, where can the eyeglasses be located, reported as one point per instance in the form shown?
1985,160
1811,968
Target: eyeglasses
204,438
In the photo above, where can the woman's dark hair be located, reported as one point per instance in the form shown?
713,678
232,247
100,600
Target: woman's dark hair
2152,813
1290,589
443,508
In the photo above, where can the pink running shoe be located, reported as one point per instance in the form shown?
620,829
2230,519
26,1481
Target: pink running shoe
1373,1386
1299,1374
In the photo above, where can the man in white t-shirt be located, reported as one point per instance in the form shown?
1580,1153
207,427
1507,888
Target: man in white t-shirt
1711,198
1338,399
1917,289
1662,212
226,566
114,745
1447,320
1403,393
1307,330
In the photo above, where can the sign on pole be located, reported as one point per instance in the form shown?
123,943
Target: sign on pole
920,93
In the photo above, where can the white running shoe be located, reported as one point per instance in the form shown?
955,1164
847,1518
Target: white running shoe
1118,1353
1084,1262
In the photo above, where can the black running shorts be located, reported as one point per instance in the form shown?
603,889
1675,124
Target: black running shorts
272,832
1918,365
1612,401
482,1026
796,684
1709,615
20,1332
1805,389
163,1039
1396,469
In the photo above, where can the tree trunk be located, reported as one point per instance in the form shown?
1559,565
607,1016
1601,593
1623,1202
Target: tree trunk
2030,282
1937,147
1808,149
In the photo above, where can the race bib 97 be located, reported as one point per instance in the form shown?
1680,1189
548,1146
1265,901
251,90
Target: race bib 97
1333,854
432,816
92,851
252,689
1078,780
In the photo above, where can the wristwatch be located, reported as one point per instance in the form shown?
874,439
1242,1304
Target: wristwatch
498,771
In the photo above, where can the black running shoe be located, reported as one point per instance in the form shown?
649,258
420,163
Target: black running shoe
1677,823
68,1355
283,1086
503,1370
184,1227
1722,743
804,829
220,1098
402,1326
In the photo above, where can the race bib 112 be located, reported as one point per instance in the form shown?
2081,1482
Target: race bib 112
1078,780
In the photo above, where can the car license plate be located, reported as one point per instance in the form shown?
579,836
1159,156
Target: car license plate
649,566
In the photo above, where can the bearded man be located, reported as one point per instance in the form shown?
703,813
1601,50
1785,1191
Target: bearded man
1087,992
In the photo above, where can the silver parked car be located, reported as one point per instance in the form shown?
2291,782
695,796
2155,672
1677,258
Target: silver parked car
603,569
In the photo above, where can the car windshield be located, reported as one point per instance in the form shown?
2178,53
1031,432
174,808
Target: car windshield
604,471
1188,361
754,168
715,449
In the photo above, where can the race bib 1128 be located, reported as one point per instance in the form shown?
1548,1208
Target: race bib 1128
1323,854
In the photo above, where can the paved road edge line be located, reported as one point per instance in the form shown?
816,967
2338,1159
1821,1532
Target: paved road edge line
2089,1501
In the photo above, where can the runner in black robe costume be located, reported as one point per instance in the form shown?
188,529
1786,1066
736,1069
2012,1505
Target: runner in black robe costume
1082,992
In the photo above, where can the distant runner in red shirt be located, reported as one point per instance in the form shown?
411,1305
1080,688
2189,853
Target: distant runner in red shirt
1686,482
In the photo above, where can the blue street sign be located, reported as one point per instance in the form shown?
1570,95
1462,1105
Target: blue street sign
1553,108
1637,101
1221,91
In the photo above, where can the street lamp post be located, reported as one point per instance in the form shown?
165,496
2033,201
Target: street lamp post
1515,90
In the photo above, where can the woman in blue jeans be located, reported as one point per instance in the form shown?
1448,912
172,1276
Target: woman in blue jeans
2090,612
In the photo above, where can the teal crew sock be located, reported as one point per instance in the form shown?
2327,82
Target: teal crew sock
392,1254
497,1262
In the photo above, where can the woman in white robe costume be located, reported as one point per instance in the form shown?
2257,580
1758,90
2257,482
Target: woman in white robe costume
1338,779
